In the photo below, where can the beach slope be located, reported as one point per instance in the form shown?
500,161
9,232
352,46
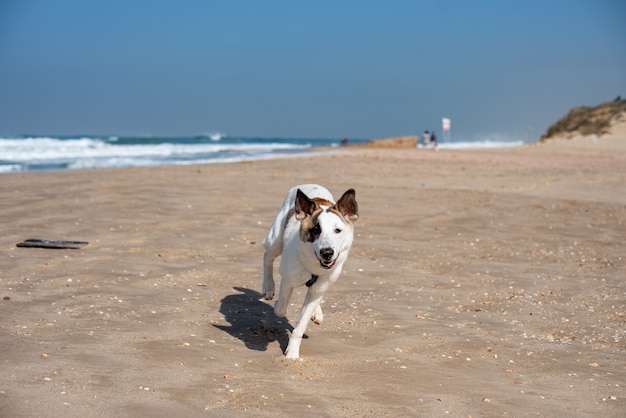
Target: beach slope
480,283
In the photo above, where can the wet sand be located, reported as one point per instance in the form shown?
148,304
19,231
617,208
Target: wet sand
480,283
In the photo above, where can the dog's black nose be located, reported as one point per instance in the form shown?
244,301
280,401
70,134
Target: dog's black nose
327,253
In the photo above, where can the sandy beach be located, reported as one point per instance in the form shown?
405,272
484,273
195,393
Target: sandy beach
481,283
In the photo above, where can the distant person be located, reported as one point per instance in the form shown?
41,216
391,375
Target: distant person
426,138
344,141
433,139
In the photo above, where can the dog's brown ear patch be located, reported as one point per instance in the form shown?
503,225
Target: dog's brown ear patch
347,206
304,206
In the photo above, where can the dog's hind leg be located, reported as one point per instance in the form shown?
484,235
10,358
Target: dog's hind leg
286,290
311,305
273,245
268,275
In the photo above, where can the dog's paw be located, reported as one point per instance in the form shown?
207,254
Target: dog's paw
268,290
318,316
292,352
280,309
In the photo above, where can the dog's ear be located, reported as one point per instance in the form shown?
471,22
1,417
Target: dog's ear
347,206
304,206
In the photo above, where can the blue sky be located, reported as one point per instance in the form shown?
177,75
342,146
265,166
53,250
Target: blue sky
362,69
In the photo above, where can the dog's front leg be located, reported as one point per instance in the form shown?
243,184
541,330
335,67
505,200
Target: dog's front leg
318,316
311,303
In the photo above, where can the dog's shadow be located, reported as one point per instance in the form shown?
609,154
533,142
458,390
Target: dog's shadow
253,321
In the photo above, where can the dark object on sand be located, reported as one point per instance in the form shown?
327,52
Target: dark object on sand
50,243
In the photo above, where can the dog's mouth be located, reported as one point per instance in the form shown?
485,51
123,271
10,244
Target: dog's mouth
327,264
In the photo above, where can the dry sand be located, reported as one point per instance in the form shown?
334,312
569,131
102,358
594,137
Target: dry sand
481,283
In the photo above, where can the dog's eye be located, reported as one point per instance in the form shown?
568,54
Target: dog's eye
337,231
317,229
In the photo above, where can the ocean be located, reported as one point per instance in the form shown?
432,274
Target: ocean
60,153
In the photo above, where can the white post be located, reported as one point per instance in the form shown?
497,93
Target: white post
445,123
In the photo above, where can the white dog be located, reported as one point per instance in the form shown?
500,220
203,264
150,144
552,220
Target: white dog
313,236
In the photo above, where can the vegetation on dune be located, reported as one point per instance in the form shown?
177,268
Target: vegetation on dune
586,120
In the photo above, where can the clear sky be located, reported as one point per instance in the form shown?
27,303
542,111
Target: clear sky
362,69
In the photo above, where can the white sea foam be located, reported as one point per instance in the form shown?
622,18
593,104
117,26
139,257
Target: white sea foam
10,168
46,153
216,136
49,153
30,149
480,144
